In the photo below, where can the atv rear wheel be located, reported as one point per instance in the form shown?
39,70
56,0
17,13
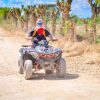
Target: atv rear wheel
28,69
62,68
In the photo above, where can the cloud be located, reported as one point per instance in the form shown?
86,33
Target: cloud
81,8
30,2
18,3
2,4
15,3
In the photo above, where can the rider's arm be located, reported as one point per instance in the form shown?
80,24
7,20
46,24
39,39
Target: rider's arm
48,34
51,37
29,35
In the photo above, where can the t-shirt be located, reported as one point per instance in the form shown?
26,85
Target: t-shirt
40,35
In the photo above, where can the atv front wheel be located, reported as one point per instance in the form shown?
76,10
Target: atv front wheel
62,68
28,69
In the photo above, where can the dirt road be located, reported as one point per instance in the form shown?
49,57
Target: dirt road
14,87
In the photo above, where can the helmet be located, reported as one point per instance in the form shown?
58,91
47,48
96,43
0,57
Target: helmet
39,21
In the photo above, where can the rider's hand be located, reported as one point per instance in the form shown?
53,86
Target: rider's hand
29,38
54,39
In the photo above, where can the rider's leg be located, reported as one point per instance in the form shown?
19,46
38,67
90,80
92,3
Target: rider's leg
34,43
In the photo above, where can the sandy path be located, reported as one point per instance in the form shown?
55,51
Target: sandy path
14,87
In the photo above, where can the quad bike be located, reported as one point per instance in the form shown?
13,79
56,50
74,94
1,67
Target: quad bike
43,56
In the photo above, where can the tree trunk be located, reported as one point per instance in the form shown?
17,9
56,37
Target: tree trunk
86,28
95,8
73,31
26,26
94,32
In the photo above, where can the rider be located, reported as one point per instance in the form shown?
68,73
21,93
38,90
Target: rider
39,33
35,36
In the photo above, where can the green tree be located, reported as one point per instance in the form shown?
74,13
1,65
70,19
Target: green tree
65,7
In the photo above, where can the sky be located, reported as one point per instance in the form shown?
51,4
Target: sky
81,8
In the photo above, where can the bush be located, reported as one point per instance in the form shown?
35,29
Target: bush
97,39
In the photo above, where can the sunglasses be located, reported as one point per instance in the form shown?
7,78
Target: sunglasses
39,23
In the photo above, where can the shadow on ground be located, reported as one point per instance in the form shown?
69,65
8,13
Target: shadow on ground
40,76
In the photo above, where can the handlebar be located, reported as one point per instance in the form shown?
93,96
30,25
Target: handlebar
53,40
